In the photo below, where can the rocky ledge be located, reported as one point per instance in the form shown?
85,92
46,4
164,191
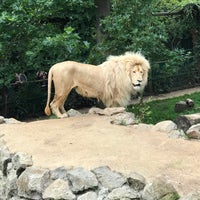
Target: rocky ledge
21,180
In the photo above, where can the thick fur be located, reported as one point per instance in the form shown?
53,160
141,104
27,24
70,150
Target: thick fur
113,82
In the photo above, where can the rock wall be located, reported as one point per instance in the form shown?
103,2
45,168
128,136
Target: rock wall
21,180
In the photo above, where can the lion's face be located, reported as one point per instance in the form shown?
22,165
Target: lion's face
138,76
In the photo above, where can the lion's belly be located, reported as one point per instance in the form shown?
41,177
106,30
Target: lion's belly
88,92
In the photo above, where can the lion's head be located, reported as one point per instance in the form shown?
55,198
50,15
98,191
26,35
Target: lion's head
137,68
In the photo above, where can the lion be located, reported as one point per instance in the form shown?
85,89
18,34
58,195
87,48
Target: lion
113,82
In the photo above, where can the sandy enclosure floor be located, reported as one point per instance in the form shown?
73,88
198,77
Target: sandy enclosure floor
90,141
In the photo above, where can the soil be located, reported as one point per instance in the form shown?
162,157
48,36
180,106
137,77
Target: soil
90,141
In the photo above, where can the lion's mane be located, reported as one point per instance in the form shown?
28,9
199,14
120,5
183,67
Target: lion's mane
118,87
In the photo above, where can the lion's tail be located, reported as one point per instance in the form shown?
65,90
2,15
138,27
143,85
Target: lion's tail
47,109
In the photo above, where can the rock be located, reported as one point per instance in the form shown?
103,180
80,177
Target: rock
109,179
21,161
184,105
60,172
165,126
194,132
124,192
2,120
184,122
73,113
103,193
11,121
159,189
123,119
11,184
2,186
177,134
82,179
180,106
59,189
190,103
107,111
191,196
32,182
136,181
88,196
5,157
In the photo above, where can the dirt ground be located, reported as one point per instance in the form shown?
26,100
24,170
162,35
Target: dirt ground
90,141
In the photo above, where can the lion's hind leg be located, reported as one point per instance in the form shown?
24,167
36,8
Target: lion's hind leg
55,107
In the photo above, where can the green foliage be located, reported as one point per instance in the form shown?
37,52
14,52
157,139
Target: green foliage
160,110
36,34
141,111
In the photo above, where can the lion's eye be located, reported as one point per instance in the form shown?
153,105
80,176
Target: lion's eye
134,72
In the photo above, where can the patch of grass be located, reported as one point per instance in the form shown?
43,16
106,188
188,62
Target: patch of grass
152,112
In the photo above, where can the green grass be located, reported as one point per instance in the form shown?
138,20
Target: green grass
152,112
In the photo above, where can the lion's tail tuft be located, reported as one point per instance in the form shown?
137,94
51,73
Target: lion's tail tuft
47,110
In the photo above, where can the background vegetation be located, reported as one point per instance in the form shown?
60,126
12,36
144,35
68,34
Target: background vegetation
148,111
35,34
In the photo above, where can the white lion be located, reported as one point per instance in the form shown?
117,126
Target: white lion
113,82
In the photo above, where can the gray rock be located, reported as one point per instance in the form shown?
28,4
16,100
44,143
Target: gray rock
59,189
11,184
107,111
191,196
126,118
177,134
32,182
103,193
82,179
60,172
21,161
194,132
73,113
5,157
180,106
159,189
12,121
17,198
88,196
136,181
2,120
124,192
184,105
165,126
2,186
109,179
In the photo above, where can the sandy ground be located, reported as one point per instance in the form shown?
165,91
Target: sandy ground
90,141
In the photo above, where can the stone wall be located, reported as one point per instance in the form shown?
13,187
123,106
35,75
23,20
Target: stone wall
21,180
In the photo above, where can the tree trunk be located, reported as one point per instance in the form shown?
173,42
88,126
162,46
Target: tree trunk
184,122
103,10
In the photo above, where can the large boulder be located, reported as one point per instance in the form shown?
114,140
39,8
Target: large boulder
159,189
82,179
59,189
108,178
194,132
32,182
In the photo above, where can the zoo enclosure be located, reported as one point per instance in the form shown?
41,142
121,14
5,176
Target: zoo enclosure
28,99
